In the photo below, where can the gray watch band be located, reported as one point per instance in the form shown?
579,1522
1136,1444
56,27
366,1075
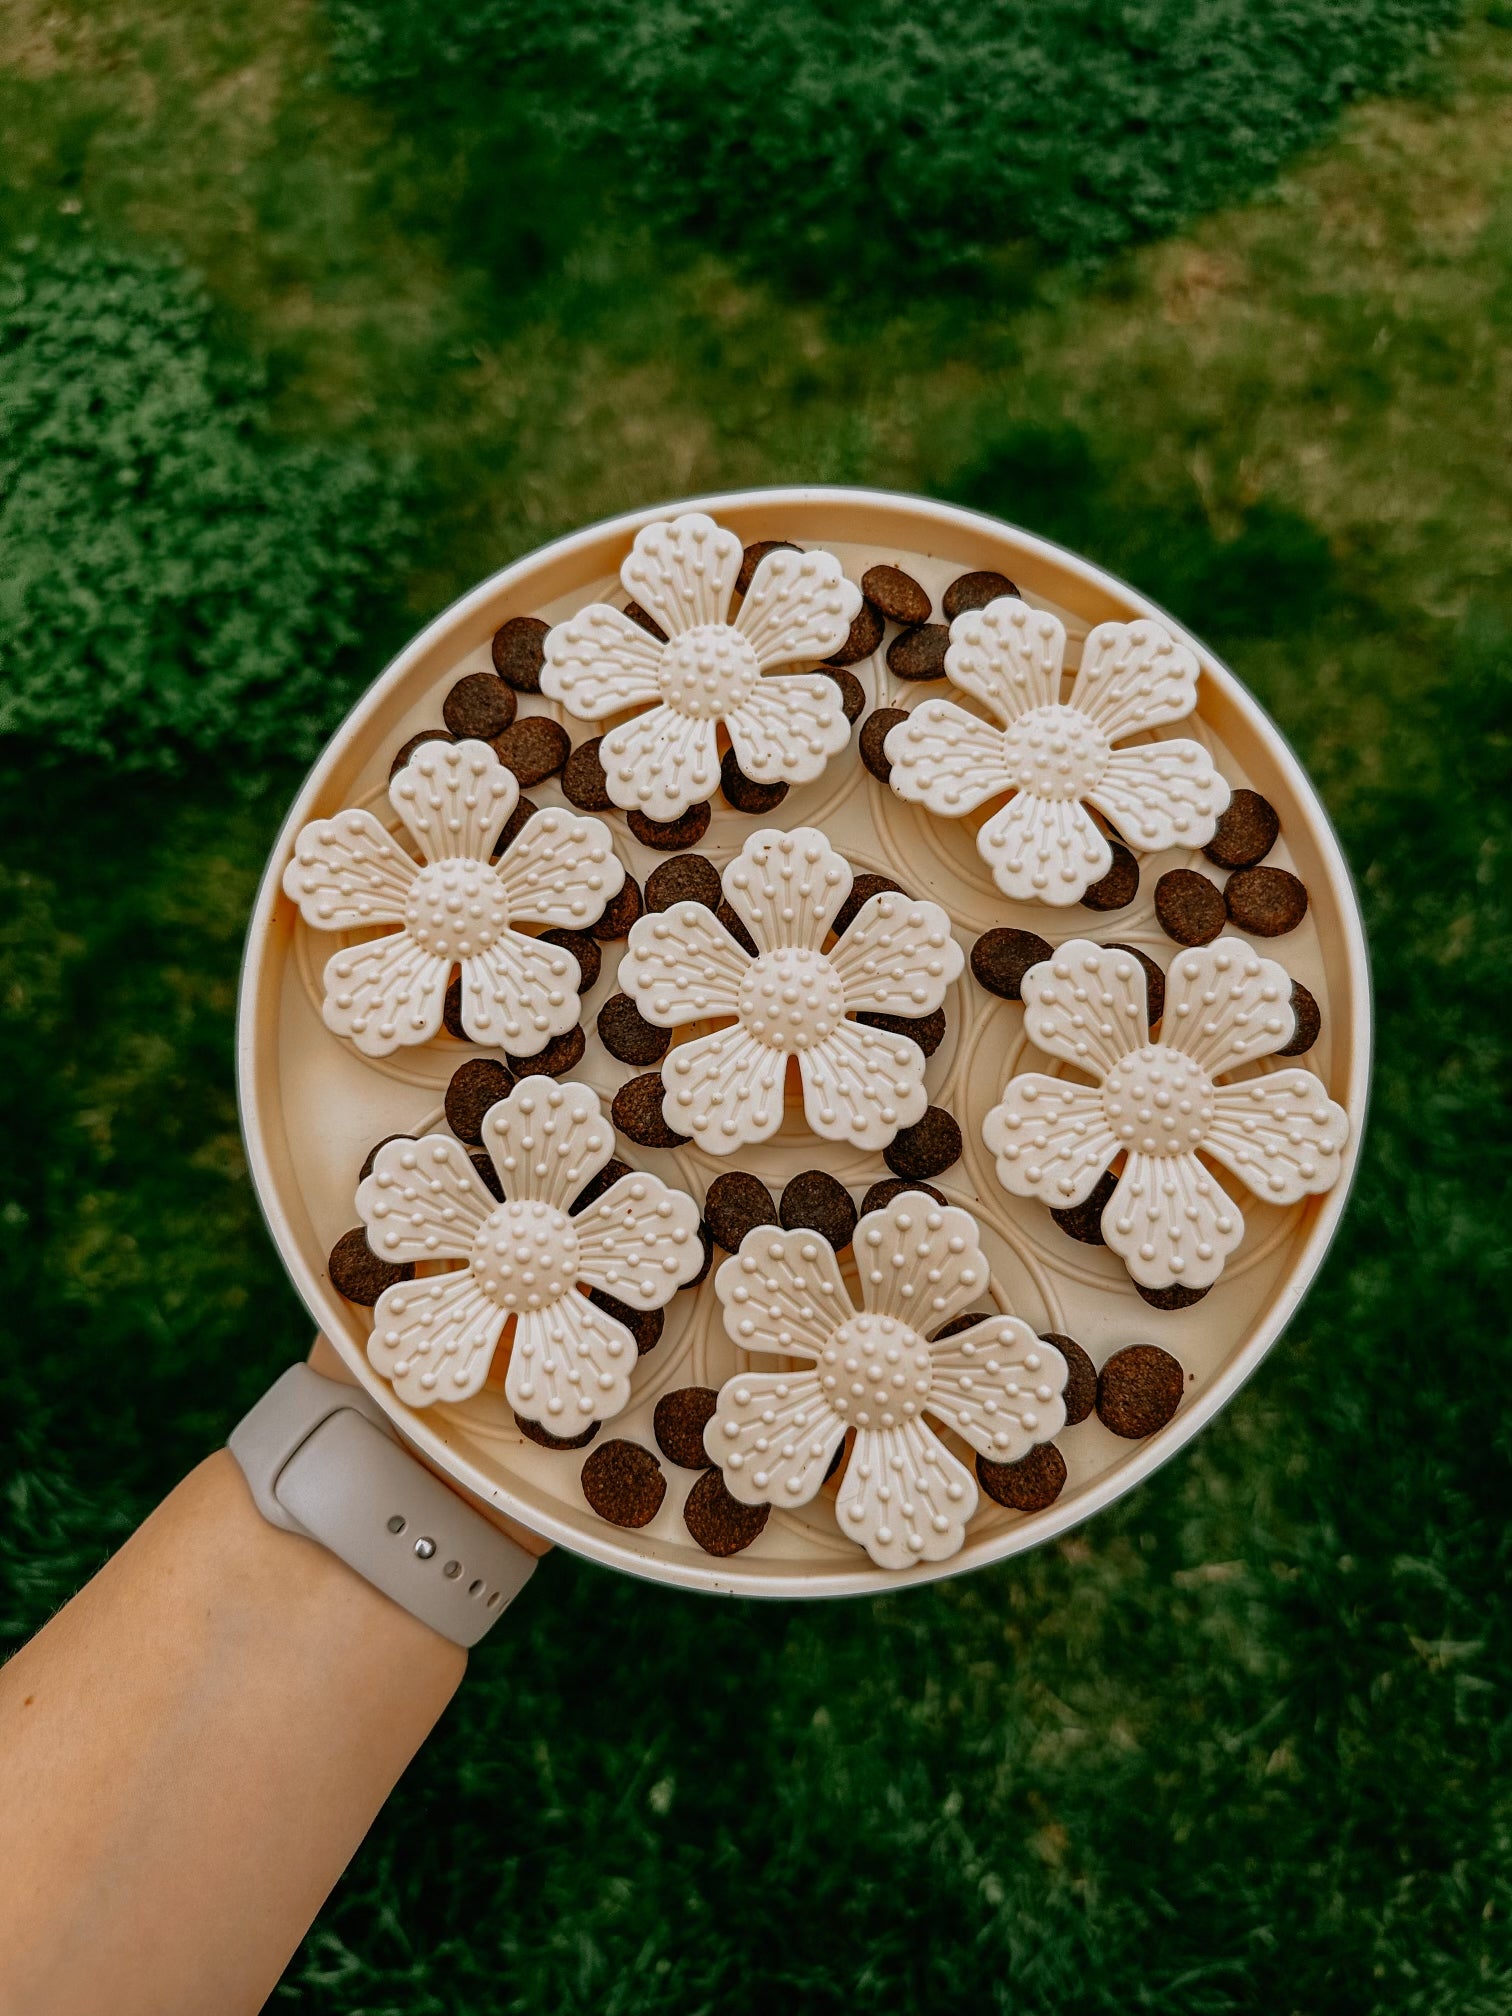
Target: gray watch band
321,1460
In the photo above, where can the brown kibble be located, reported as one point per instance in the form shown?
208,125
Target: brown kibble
535,748
1119,887
519,652
737,1203
479,707
475,1086
524,811
644,1325
928,1031
1154,979
679,1422
451,1010
407,749
706,1240
562,1053
975,591
882,1194
1309,1022
637,1112
866,633
1081,1377
372,1154
620,914
1000,959
644,621
920,653
1084,1221
1029,1485
488,1176
595,1187
1188,907
1266,902
957,1324
671,835
863,888
744,794
1175,1297
720,1524
1246,833
534,1432
900,598
626,1034
1138,1391
356,1271
753,556
583,781
584,948
874,733
852,693
624,1483
926,1148
688,878
735,925
819,1202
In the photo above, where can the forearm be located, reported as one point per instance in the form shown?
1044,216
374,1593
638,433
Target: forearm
190,1753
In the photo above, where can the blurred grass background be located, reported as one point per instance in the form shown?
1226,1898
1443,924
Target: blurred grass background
310,317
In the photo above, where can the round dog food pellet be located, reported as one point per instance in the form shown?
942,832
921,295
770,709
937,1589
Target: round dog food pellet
475,1086
583,780
689,878
562,1053
1188,907
606,1179
643,621
900,598
524,811
535,748
927,1148
1266,902
637,1112
671,835
1119,887
874,733
624,1483
957,1324
451,1010
735,925
1138,1391
479,707
519,652
866,633
863,888
753,556
544,1439
882,1194
644,1325
372,1155
1084,1221
488,1176
852,694
974,591
1246,833
1000,958
678,1425
737,1203
407,749
1081,1377
1175,1297
584,948
928,1031
1309,1022
720,1524
706,1240
1029,1485
626,1034
744,794
620,914
1154,980
820,1203
356,1271
920,653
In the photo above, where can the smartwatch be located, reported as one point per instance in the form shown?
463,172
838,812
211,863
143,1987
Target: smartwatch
321,1459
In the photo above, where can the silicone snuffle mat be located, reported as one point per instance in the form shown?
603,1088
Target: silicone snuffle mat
1000,950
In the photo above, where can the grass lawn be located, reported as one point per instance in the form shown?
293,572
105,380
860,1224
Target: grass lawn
1242,1742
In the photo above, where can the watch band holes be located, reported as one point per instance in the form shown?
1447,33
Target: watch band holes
475,1588
452,1570
493,1601
398,1523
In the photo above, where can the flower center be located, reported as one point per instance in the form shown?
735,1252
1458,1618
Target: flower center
525,1255
1157,1101
875,1371
707,671
791,999
1055,752
456,908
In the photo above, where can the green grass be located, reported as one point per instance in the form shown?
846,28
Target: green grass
1241,1743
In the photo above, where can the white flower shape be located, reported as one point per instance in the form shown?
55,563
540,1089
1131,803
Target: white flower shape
1169,1220
454,907
791,999
529,1259
682,572
905,1497
1057,757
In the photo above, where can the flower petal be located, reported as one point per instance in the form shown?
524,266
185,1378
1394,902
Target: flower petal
561,870
547,1140
919,1261
599,663
905,1498
724,1089
571,1363
786,887
348,872
639,1241
788,728
1009,656
999,1386
1171,1222
1044,850
1281,1134
862,1084
773,1435
454,797
520,992
422,1201
682,965
385,993
661,762
1225,1005
435,1339
947,759
799,605
1134,676
783,1291
897,956
682,571
1162,794
1051,1139
1086,1004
